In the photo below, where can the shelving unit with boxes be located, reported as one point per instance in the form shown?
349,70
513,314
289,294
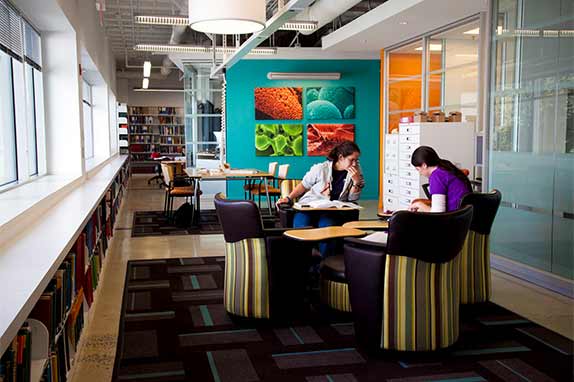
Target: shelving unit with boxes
123,139
154,128
402,183
45,346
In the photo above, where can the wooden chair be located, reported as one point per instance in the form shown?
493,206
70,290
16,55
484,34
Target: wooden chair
275,191
176,184
251,185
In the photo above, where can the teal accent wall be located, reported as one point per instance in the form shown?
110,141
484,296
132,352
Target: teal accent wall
245,76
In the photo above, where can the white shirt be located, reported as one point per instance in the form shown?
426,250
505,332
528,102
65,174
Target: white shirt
318,183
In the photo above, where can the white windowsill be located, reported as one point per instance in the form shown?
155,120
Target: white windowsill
33,252
18,200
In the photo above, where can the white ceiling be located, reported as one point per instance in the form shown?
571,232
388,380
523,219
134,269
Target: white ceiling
382,26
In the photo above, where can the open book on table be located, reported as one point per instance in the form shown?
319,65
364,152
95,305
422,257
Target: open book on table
327,204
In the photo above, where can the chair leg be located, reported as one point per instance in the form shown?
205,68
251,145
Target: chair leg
166,203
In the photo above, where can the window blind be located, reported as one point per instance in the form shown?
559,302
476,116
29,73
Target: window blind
10,29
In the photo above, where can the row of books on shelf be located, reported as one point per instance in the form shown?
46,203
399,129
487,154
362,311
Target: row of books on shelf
155,120
45,346
142,148
167,110
157,130
148,139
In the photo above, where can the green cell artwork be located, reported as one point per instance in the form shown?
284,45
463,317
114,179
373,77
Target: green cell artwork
328,103
272,140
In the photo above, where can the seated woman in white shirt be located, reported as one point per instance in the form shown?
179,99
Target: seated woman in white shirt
337,178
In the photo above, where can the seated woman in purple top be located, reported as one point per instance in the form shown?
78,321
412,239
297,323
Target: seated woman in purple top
447,183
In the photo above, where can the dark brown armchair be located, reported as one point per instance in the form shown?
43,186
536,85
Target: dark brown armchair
475,281
265,272
405,295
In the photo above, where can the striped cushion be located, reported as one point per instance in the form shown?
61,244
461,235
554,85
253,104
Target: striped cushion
288,185
475,282
246,288
335,295
421,302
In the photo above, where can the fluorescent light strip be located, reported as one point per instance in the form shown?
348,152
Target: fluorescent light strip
162,20
196,49
145,83
159,90
299,26
184,21
147,68
303,76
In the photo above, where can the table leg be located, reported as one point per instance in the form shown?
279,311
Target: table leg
196,216
267,194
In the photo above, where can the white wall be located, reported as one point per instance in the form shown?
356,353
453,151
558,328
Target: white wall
69,27
63,104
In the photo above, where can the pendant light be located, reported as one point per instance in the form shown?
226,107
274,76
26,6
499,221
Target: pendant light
227,16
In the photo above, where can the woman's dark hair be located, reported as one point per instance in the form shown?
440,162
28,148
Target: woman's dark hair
426,154
345,149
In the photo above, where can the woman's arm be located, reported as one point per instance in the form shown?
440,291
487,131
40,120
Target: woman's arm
297,192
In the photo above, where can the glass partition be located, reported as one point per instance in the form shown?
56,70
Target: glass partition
405,66
532,132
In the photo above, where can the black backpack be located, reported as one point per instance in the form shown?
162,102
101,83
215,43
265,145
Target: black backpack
183,216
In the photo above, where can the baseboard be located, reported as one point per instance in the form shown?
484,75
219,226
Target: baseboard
541,278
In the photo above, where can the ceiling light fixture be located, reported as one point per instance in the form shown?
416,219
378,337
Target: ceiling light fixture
475,31
145,83
227,16
158,48
184,21
147,69
159,90
433,47
162,20
303,76
403,23
299,26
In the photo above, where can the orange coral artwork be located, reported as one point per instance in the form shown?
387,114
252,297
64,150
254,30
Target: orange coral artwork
278,103
321,138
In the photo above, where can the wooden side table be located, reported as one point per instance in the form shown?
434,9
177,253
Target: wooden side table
325,233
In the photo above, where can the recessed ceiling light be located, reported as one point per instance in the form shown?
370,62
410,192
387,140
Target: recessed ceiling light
474,31
433,47
403,23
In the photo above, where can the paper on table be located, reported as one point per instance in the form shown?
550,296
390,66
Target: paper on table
240,171
328,204
377,237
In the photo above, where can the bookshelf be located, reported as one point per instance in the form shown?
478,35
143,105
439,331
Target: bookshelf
44,347
154,128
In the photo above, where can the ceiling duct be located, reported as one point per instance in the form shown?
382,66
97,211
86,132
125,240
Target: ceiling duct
325,11
177,34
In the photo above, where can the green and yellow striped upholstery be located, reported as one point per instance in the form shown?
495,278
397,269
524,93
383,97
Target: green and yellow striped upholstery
420,304
246,291
475,282
288,185
335,295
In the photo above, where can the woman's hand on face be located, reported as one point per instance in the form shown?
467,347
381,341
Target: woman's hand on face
354,174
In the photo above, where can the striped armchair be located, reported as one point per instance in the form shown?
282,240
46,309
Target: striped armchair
264,271
405,295
475,281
